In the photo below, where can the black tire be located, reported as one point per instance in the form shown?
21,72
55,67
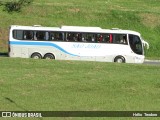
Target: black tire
36,56
119,59
49,56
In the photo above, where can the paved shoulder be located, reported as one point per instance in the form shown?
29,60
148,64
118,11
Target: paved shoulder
152,62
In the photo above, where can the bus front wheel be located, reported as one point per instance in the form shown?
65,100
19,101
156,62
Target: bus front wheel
49,56
119,59
36,56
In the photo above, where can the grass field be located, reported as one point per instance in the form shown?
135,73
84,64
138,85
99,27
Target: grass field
45,85
139,15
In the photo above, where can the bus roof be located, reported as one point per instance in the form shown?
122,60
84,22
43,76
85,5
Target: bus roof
75,29
81,28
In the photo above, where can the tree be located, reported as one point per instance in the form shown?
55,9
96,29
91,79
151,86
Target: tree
15,5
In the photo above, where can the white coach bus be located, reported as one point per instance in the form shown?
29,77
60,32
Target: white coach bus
76,43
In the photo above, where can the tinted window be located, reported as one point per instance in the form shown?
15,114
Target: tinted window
135,44
120,39
56,36
74,37
28,35
70,36
40,35
18,34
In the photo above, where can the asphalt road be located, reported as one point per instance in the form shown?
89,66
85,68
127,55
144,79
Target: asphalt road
152,62
148,62
3,54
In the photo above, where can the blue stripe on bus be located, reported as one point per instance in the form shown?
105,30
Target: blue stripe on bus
41,44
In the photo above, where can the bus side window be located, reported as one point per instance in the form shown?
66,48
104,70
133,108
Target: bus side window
84,37
78,37
99,38
74,37
120,38
56,36
60,37
18,34
90,37
40,35
103,38
52,36
68,36
116,39
28,35
124,40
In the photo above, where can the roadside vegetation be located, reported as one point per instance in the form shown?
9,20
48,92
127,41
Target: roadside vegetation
14,5
46,85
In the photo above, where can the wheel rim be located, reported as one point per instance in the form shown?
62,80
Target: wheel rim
36,57
48,57
119,60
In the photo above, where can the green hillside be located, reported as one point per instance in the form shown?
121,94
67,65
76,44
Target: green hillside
139,15
47,85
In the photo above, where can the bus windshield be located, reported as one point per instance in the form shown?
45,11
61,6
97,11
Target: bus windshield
136,44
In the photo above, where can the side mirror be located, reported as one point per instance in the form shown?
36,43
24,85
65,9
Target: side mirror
145,44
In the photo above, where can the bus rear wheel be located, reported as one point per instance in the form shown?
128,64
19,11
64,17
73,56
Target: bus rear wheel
119,59
49,56
36,56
